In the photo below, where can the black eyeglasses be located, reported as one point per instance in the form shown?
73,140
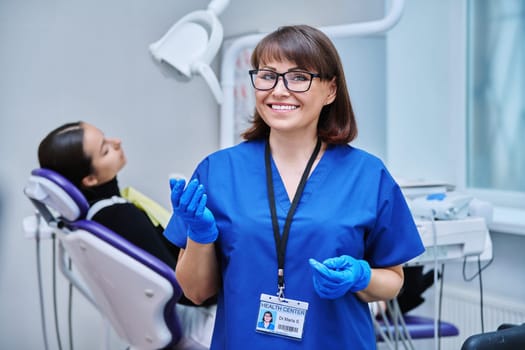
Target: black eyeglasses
295,80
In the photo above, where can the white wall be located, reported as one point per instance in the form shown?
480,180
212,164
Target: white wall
426,82
74,60
365,71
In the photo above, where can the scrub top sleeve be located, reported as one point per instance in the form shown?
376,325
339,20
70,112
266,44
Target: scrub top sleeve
201,173
394,239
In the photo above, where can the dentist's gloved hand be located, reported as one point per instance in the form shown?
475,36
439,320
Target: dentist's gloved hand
336,276
190,205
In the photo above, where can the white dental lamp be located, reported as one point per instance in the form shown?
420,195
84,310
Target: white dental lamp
192,43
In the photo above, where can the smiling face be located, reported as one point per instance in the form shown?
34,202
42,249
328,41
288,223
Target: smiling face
285,111
106,154
308,49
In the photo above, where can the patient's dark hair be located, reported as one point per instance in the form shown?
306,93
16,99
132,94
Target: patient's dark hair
62,150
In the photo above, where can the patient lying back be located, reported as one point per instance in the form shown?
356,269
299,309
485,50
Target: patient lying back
91,161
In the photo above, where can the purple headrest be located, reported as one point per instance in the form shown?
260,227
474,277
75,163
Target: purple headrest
57,192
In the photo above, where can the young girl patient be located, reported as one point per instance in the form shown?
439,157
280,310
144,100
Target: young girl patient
91,161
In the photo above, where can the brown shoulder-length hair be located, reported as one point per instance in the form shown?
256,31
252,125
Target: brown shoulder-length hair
310,48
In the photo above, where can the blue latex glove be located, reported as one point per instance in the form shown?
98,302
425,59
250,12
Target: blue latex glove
336,276
190,205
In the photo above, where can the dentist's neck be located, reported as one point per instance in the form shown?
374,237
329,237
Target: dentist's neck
286,146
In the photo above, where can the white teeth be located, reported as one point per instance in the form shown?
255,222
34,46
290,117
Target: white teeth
281,107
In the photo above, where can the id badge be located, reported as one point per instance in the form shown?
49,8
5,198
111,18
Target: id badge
283,317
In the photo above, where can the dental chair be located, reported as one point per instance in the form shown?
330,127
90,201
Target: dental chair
132,289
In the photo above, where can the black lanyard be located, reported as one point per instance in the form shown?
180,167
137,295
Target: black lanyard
280,242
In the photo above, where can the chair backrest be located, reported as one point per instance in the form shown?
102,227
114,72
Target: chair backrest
135,291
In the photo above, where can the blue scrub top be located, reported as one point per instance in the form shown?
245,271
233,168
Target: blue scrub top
350,206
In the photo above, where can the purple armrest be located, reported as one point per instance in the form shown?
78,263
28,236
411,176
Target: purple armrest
420,327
